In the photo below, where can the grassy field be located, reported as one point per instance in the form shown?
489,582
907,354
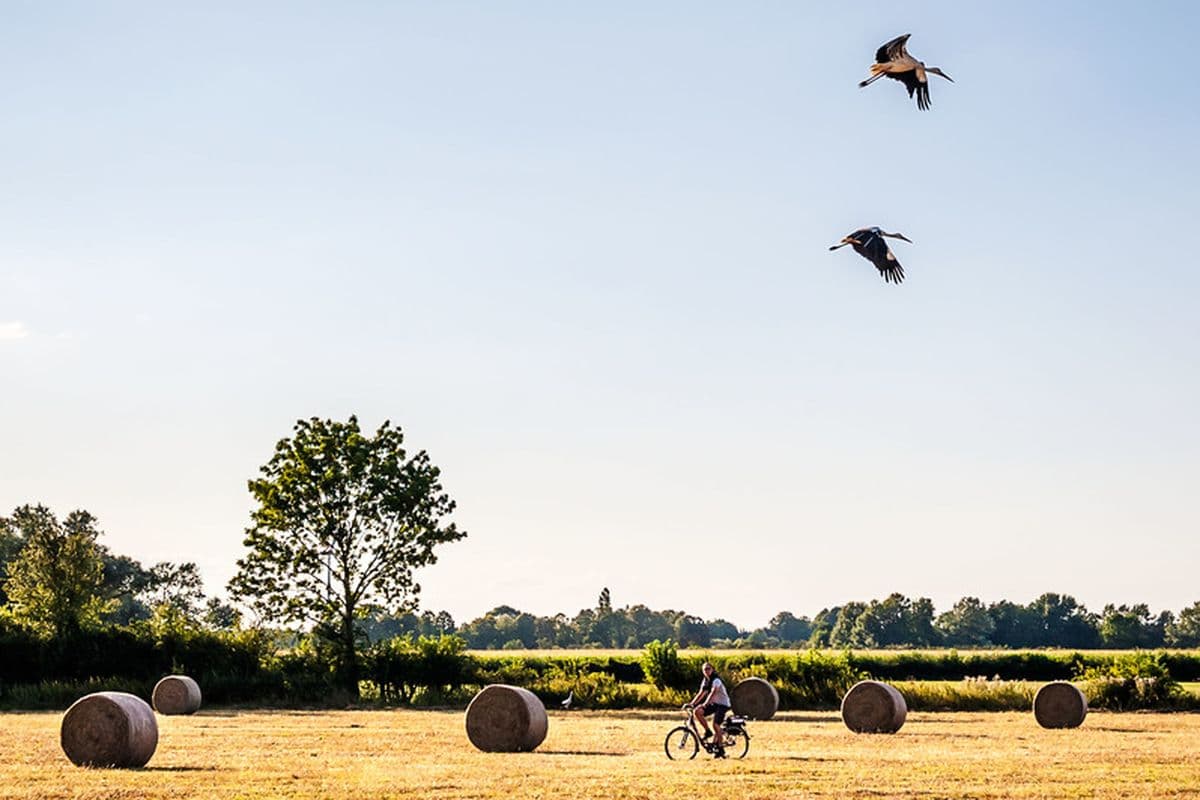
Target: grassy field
375,754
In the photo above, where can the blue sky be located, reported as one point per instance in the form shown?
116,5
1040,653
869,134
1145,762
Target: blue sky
578,252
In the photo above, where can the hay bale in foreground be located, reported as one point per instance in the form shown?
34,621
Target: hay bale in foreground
506,719
109,729
754,698
176,694
1059,705
873,707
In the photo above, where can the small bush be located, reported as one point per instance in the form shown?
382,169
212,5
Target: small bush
662,666
813,679
1135,681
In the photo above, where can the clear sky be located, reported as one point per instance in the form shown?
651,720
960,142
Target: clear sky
578,252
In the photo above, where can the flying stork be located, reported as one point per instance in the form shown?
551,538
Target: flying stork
869,243
894,61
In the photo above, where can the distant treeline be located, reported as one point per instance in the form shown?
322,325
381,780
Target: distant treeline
1051,620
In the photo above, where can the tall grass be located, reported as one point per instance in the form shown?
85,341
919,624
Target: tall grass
970,694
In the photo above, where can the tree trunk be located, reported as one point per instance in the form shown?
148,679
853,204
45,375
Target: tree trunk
348,668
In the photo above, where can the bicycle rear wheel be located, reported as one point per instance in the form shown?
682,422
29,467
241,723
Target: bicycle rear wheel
681,744
739,744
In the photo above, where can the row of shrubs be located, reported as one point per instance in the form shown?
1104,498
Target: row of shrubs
437,672
247,667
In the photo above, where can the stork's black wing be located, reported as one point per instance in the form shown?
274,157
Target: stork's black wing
892,50
871,246
914,85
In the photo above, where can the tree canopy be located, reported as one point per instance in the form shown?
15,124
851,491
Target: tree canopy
55,583
342,521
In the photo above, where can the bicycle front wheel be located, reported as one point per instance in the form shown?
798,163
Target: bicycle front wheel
739,744
681,744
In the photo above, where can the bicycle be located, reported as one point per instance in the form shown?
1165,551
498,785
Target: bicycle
684,742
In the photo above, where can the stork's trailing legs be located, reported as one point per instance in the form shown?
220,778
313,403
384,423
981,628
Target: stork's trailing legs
845,242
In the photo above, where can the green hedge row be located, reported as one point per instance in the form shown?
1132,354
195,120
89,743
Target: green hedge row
919,665
244,668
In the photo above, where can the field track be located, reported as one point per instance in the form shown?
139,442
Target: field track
373,754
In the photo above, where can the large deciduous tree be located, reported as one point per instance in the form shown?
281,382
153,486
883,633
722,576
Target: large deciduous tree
968,624
343,519
1185,631
55,584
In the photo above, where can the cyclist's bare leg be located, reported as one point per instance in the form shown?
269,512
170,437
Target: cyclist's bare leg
698,713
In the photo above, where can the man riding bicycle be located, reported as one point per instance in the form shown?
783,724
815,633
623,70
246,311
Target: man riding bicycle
712,700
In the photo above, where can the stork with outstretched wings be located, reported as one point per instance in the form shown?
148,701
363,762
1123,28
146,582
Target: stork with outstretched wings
869,243
893,61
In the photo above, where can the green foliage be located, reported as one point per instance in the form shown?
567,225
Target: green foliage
970,694
894,621
812,679
1127,627
1129,682
55,583
967,623
787,629
1060,621
942,665
342,520
178,586
599,690
11,543
232,667
402,666
1050,620
1185,631
842,633
661,665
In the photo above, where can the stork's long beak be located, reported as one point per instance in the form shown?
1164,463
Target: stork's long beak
937,71
902,236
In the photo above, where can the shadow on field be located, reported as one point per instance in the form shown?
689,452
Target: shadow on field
632,714
580,753
180,769
1118,730
936,735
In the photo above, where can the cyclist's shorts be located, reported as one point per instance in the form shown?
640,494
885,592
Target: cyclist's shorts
716,711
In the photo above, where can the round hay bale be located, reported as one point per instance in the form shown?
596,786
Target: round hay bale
109,729
506,719
176,694
873,707
754,698
1059,705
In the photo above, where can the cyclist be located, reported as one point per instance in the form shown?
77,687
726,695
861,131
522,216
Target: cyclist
712,700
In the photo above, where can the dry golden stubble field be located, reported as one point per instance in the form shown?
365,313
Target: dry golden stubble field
374,754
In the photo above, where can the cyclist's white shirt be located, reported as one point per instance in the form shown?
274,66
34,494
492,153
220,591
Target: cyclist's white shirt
719,695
